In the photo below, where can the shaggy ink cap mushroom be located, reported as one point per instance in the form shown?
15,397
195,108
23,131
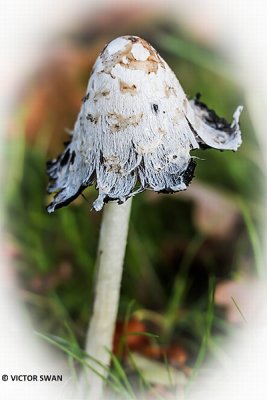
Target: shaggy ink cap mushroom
135,129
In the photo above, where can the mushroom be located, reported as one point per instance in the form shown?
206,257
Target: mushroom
135,131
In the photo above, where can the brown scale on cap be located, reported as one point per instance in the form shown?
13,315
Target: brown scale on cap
119,122
126,58
127,88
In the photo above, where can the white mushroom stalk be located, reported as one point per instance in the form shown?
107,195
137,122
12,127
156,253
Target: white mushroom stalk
110,257
135,131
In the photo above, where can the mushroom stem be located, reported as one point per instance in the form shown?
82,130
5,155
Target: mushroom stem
110,258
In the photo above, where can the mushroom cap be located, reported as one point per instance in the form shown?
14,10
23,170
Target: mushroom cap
135,129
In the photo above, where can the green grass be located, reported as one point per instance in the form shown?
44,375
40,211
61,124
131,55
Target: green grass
254,237
208,316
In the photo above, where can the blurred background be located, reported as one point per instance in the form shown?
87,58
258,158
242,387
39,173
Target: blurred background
192,257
